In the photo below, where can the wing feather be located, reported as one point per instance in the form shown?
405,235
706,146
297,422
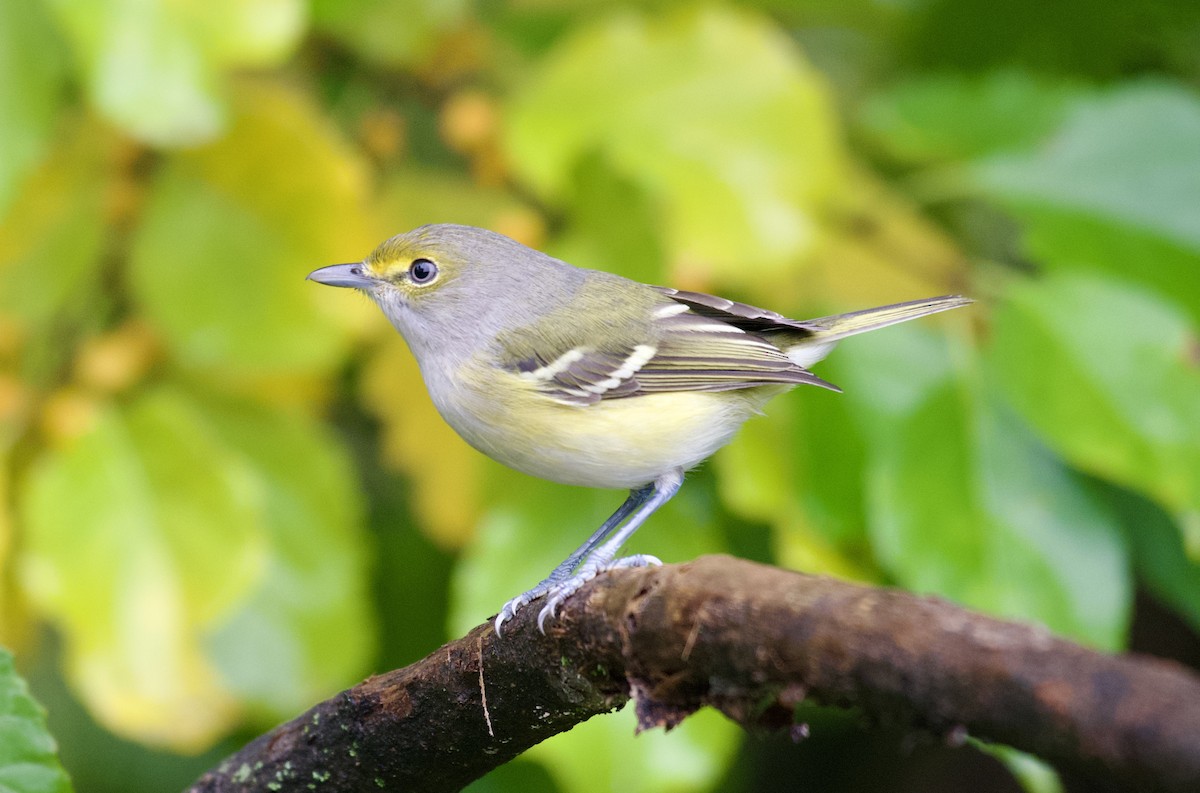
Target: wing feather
682,351
739,315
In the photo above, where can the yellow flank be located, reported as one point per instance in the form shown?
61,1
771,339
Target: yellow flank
614,443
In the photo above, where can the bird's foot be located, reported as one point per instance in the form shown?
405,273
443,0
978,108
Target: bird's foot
559,594
559,591
513,606
586,573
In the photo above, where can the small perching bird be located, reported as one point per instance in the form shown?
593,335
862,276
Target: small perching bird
587,378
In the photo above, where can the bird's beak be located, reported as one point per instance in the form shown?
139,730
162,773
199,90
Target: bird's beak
353,275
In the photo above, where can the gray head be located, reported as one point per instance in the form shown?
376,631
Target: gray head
446,285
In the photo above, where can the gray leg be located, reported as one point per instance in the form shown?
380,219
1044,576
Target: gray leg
602,557
567,566
636,499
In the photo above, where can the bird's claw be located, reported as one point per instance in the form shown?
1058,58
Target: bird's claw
511,607
549,610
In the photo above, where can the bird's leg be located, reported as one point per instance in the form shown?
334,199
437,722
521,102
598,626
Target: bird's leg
636,499
604,557
561,573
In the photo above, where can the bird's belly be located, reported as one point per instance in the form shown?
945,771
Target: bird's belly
615,443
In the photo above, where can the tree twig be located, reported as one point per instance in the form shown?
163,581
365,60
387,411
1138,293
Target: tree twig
753,641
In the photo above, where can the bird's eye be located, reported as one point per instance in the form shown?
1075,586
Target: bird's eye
422,271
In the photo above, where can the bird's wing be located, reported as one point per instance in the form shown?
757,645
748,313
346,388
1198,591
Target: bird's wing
740,315
677,349
704,353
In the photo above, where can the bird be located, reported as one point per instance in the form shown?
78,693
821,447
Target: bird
584,377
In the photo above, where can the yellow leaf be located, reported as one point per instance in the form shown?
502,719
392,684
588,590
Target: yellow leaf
52,236
159,68
799,546
139,535
148,678
414,197
757,476
390,32
761,478
713,111
230,230
879,249
6,537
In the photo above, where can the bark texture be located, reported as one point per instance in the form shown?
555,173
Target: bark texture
752,641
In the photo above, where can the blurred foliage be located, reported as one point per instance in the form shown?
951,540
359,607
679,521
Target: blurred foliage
28,763
225,495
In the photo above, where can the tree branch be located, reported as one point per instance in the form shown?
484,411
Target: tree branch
752,641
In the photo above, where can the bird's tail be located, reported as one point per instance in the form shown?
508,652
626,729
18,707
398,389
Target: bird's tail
842,325
825,331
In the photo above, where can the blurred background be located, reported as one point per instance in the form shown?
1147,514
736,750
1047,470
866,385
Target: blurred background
225,494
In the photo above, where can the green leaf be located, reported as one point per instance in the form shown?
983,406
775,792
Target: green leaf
224,567
758,152
1112,189
1159,555
517,776
416,196
32,83
964,501
53,235
831,455
614,225
1064,239
1108,376
606,754
1101,39
1034,774
953,116
230,231
391,32
799,469
138,538
1128,156
757,470
531,525
158,69
28,755
307,629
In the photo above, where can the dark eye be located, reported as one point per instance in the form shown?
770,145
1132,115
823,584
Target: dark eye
422,271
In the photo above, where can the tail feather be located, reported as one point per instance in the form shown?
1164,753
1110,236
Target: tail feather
826,331
839,326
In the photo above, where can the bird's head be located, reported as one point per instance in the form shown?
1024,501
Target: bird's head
411,269
448,280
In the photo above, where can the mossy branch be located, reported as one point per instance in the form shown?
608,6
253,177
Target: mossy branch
752,641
